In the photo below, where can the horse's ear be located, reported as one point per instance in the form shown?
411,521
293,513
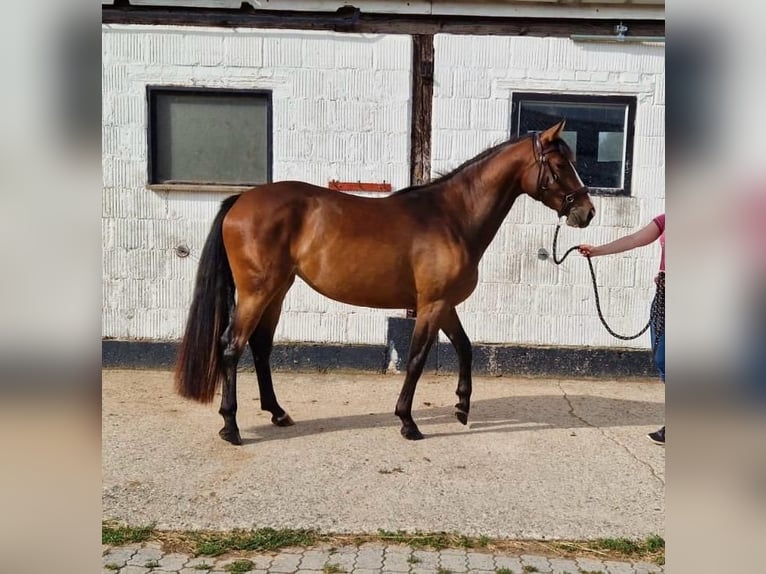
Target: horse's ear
552,133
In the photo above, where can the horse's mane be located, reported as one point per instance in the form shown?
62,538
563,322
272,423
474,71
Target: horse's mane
559,143
466,164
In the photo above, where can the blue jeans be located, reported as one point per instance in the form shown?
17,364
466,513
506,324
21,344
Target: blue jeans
658,349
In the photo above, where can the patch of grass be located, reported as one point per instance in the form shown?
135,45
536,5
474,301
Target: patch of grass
504,571
413,560
527,568
239,566
591,572
652,548
441,570
151,564
332,569
433,540
111,566
621,545
263,539
655,543
203,566
117,534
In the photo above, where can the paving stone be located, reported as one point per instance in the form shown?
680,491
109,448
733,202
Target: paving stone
285,563
539,562
262,561
134,570
398,549
396,561
560,566
373,546
343,558
199,561
425,559
618,567
173,562
418,570
314,559
512,563
118,556
590,564
479,561
369,558
221,565
647,568
366,571
453,562
144,555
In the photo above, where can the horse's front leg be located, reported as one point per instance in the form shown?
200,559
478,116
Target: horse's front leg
454,331
427,325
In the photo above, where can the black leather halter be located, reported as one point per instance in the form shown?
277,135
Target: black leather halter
542,182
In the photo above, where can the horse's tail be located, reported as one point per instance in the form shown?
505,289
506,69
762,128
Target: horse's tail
199,367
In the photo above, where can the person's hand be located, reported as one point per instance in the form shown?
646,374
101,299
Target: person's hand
586,250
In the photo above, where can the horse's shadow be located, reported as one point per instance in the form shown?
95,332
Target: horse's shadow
504,414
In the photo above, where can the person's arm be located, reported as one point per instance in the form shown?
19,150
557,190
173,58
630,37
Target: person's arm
643,236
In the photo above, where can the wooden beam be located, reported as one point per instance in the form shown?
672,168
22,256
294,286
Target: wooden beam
360,22
422,106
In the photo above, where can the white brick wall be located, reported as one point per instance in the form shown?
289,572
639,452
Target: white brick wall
342,111
521,299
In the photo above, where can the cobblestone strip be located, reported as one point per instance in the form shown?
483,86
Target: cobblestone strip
370,558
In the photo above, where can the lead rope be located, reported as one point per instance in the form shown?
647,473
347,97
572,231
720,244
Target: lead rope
657,314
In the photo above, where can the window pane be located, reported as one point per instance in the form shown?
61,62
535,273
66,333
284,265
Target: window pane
595,131
210,138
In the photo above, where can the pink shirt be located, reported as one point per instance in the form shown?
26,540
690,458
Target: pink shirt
660,222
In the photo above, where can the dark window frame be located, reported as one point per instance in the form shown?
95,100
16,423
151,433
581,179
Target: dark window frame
152,91
630,102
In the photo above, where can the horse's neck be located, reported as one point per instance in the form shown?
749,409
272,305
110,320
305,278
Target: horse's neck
488,192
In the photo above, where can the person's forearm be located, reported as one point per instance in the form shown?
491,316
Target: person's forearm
618,246
640,238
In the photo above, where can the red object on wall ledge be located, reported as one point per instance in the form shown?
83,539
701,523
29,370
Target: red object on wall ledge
336,185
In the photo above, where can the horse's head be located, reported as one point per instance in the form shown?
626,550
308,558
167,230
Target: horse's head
553,179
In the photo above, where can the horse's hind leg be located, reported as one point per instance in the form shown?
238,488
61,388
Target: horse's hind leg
454,331
245,317
427,325
261,343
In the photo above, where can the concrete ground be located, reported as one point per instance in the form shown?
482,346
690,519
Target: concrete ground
549,459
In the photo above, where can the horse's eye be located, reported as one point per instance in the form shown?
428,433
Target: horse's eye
555,177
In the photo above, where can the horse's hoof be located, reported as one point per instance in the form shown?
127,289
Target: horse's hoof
462,416
231,436
412,433
283,421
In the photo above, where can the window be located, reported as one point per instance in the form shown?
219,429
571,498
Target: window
599,129
209,136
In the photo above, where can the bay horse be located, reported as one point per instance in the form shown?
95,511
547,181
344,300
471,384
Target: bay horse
418,248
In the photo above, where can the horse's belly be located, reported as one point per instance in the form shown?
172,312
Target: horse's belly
363,287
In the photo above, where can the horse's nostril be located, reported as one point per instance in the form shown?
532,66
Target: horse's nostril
591,213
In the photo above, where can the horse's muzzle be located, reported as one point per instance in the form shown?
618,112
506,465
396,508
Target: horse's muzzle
580,217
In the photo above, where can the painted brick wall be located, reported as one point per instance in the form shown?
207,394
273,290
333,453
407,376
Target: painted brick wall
341,111
521,298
